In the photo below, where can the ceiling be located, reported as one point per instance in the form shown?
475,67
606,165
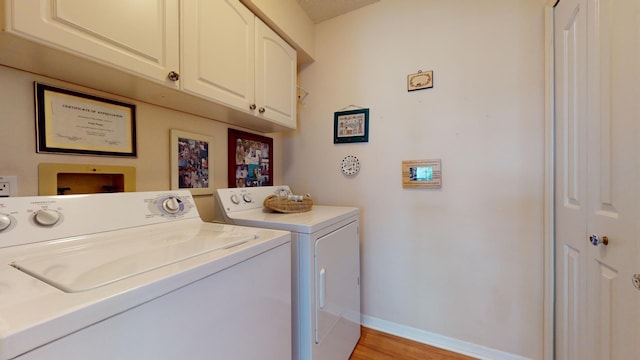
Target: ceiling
321,10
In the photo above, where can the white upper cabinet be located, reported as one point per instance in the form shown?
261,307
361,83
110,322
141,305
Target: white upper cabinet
231,56
275,77
218,51
140,37
225,63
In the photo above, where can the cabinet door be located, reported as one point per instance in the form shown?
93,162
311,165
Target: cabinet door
218,51
275,77
139,37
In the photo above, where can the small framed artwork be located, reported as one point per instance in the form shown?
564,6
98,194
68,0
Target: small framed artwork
250,159
351,126
420,80
425,174
74,123
191,157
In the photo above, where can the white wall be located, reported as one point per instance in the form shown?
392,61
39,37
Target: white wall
466,261
18,139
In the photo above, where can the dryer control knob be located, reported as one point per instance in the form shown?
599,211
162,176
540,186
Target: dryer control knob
235,199
171,205
5,221
46,217
247,198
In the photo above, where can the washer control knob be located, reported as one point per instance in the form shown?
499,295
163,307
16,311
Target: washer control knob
235,199
171,205
46,217
5,221
247,198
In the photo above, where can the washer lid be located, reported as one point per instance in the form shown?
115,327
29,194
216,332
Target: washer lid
117,255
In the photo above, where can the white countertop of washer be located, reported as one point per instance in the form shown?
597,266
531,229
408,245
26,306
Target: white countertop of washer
33,312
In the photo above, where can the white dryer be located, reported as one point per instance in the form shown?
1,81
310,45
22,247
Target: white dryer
325,268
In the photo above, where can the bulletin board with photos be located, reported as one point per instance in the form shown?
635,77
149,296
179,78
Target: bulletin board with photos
250,159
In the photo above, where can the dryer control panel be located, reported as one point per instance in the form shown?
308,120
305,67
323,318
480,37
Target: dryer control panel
238,199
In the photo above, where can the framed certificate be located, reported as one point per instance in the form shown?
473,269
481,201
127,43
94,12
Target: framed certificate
75,123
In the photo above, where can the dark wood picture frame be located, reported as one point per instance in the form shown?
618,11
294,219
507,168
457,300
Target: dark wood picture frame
250,159
74,123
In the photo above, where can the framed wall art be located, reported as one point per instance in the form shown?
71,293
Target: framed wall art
351,126
250,159
425,174
191,157
75,123
420,80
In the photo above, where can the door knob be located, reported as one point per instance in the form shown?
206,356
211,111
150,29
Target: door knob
595,240
173,76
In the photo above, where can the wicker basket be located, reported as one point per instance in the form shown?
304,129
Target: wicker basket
284,204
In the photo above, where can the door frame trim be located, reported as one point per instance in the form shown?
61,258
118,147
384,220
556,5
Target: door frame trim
548,326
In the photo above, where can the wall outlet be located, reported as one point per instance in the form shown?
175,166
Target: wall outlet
8,186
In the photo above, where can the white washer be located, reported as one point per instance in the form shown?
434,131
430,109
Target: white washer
138,276
326,268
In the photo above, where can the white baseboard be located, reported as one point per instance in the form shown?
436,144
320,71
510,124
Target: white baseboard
443,342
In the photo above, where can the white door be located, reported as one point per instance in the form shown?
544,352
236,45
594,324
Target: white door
597,147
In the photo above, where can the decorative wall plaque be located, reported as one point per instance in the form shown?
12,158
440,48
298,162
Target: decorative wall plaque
420,80
426,174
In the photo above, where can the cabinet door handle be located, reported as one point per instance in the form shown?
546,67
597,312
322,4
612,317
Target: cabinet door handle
173,76
252,107
262,110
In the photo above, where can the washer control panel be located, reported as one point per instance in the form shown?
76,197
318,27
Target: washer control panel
25,220
170,205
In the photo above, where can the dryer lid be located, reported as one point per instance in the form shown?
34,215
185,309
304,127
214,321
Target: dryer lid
320,217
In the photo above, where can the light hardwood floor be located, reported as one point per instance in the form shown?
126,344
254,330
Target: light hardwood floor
376,345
